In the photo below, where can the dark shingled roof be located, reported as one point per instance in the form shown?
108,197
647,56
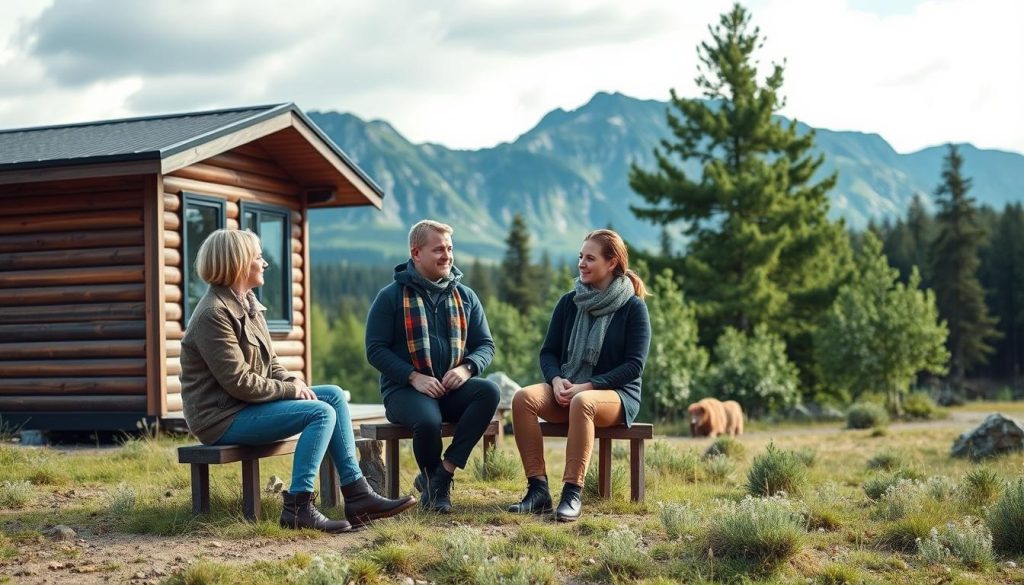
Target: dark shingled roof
135,139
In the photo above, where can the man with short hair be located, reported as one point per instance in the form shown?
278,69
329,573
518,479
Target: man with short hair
428,336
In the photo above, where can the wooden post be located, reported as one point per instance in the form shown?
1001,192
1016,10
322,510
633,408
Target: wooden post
391,467
156,350
200,488
636,470
604,468
251,489
330,485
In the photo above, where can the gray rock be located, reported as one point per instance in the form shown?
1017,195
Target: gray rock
371,463
61,532
275,485
507,386
996,435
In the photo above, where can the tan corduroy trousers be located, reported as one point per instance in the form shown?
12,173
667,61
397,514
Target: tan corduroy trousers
589,409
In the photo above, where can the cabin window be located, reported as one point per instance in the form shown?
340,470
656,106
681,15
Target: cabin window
273,226
202,216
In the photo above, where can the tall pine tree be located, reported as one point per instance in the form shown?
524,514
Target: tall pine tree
954,264
518,287
1003,270
761,248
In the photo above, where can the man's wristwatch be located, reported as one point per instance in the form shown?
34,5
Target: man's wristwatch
471,367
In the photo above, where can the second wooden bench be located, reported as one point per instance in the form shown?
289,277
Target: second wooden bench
636,435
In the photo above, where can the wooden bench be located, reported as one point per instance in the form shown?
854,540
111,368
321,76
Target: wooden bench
636,435
391,434
201,457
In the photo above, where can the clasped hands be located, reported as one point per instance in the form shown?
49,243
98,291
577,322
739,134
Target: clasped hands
564,389
434,388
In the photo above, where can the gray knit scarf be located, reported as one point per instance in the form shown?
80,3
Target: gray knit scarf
595,309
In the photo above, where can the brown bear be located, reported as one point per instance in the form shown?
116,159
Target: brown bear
707,418
733,417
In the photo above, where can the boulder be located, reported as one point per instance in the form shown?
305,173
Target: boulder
507,386
996,435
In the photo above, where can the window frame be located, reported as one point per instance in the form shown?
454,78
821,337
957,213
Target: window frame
261,210
187,199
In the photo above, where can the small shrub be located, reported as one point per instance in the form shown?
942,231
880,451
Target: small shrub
499,465
620,479
969,541
591,526
719,468
764,530
395,558
899,500
679,519
980,486
122,500
865,415
1006,517
620,451
904,534
513,572
931,550
825,508
940,488
15,494
668,459
322,570
776,470
876,485
725,445
463,551
543,537
837,574
920,406
887,460
809,455
621,554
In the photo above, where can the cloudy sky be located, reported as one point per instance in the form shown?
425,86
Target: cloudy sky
473,73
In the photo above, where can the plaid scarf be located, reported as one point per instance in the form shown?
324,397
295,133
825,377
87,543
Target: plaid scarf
417,337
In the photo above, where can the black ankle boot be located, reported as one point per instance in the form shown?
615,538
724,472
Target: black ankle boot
300,512
437,497
363,505
570,507
537,499
420,483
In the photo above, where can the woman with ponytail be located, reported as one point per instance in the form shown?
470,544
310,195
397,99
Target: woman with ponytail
592,359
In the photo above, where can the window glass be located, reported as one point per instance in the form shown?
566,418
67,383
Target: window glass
201,217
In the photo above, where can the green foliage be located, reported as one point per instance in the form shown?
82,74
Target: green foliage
886,460
839,574
517,343
807,455
727,446
880,333
969,542
918,405
1002,274
767,531
463,551
866,415
669,459
15,494
122,500
980,486
675,360
1005,519
904,534
339,355
955,263
518,287
774,471
877,485
679,519
498,465
621,554
753,370
718,468
620,480
761,249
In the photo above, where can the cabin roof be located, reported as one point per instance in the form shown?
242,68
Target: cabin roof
148,138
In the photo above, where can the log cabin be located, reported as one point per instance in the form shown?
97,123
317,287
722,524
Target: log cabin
100,224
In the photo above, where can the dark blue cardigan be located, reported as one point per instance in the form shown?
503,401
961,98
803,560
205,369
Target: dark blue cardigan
386,347
622,356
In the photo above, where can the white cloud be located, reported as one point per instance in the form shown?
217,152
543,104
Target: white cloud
475,73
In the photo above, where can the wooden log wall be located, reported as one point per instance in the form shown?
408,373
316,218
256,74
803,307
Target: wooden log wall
245,174
72,296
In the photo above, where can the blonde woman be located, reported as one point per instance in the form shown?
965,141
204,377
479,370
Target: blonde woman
592,359
234,391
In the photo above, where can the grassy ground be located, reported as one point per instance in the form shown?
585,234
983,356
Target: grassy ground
835,522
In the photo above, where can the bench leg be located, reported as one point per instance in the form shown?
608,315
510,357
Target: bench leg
251,489
200,488
391,467
330,488
604,468
636,470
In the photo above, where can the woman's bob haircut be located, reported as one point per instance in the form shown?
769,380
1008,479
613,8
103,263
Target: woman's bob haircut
225,256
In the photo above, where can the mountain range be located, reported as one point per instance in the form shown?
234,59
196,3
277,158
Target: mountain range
569,174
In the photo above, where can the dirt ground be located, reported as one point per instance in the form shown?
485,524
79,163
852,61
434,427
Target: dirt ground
141,559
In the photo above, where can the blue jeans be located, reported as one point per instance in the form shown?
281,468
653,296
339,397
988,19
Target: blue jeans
325,426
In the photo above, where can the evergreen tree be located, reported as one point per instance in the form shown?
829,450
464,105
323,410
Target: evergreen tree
954,263
518,286
920,233
480,280
761,248
1003,271
880,333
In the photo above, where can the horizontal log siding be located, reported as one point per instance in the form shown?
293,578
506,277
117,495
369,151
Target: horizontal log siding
72,297
241,175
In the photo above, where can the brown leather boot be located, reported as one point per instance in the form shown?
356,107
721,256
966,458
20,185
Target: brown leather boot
363,505
300,512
